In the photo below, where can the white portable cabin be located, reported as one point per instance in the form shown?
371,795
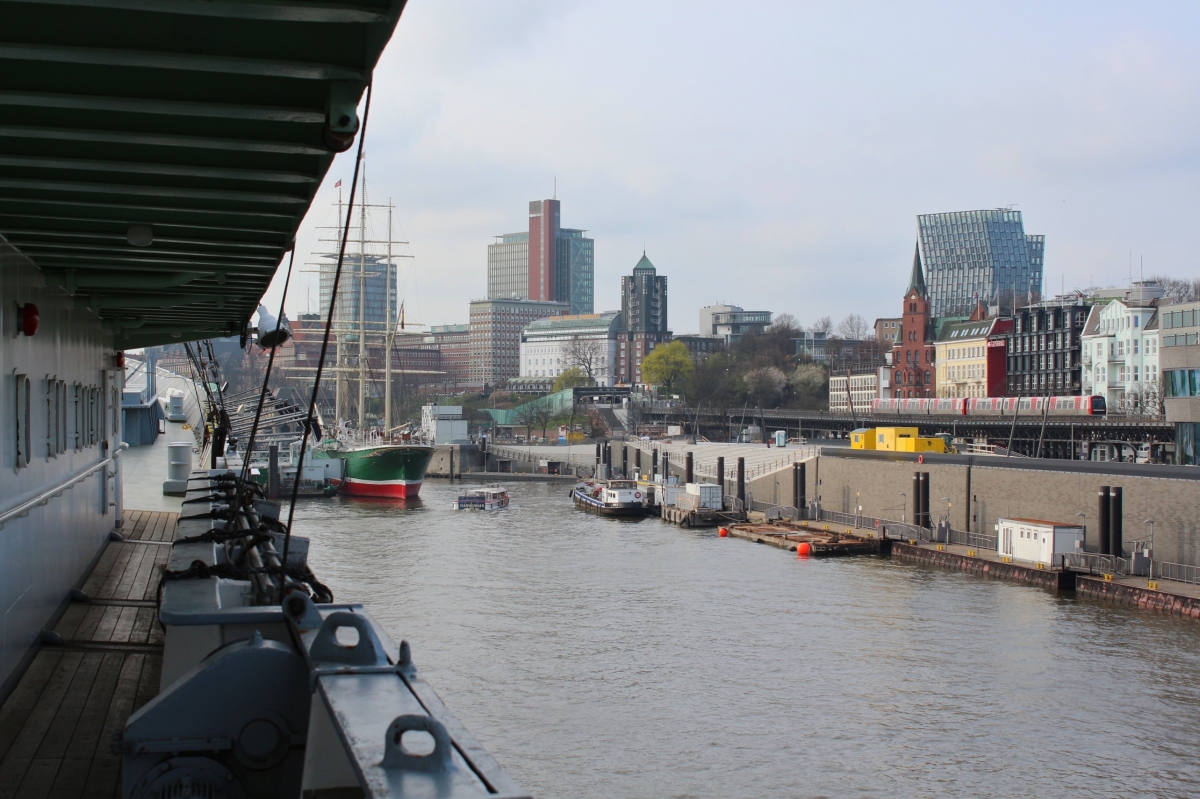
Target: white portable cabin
1037,540
707,495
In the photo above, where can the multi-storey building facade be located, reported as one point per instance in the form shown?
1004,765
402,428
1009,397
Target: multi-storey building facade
887,332
973,256
914,364
547,263
864,387
587,342
367,288
1045,350
1179,329
495,343
731,322
454,344
701,346
1120,356
971,358
644,316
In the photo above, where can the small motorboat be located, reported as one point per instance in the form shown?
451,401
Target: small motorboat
491,497
610,497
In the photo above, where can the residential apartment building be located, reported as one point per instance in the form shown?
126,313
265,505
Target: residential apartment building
973,256
701,346
587,342
1120,356
887,332
495,343
1045,350
971,358
731,322
644,318
1179,329
914,362
454,344
558,267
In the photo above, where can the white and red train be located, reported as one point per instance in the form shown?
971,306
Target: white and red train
991,406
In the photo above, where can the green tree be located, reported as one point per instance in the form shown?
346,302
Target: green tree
572,378
667,365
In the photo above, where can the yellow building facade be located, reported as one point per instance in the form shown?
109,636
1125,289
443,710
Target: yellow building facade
961,353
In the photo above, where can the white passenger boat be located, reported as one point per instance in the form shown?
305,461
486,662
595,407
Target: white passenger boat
491,497
610,497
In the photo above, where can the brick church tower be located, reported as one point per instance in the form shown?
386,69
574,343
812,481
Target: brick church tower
913,369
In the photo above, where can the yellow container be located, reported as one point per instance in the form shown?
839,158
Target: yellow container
892,439
921,444
863,438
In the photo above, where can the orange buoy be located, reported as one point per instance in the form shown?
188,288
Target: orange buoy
723,532
803,549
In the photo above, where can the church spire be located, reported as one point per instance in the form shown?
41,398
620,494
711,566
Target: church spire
917,281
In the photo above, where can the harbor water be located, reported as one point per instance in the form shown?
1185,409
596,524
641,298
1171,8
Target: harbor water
597,657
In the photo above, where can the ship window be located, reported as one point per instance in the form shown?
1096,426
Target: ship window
24,440
51,417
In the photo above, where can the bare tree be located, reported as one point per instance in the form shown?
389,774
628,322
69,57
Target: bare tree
765,384
854,327
527,417
543,415
823,325
1179,289
589,355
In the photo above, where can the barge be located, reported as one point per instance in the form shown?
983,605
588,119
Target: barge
610,498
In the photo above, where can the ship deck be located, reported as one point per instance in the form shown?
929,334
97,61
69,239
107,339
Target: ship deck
56,727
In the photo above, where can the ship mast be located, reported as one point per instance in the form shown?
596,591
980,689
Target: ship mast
362,306
340,387
389,334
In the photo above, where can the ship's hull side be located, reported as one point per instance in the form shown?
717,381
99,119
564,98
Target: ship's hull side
395,471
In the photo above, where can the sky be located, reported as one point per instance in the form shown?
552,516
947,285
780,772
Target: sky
776,155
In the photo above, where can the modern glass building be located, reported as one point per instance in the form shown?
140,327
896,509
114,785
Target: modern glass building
973,256
561,273
365,275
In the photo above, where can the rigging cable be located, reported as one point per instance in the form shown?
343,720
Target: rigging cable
312,402
270,361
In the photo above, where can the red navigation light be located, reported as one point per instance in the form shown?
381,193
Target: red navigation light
119,359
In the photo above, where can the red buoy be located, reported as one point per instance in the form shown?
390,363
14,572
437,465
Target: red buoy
803,549
723,532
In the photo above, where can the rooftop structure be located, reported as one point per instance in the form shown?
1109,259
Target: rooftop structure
731,322
496,326
644,317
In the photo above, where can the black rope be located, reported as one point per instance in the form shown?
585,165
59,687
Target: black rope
262,395
337,276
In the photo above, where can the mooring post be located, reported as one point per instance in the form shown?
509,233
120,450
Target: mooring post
624,461
688,471
1103,521
916,494
721,474
741,481
1115,522
927,516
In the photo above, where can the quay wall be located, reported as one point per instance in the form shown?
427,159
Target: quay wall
982,489
1139,597
48,551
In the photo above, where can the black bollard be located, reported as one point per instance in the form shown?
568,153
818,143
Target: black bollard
741,481
721,474
916,499
688,471
624,461
926,517
1103,522
1115,522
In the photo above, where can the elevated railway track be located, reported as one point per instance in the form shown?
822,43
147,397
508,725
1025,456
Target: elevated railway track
1064,437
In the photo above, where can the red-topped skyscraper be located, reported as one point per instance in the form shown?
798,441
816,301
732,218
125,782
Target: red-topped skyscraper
546,263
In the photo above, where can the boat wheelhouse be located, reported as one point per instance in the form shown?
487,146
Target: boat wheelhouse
610,497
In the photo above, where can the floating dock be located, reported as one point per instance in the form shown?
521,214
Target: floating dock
824,540
704,517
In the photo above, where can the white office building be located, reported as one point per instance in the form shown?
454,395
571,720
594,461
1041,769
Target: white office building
587,342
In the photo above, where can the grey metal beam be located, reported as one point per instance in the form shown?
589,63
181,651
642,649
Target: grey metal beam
160,140
150,213
72,251
151,168
15,234
122,223
152,191
97,301
177,108
290,11
186,62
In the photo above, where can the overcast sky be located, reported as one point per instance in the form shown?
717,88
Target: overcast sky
776,155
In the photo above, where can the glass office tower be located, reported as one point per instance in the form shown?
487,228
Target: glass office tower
983,256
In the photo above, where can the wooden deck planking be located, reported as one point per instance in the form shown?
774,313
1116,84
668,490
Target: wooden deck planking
56,726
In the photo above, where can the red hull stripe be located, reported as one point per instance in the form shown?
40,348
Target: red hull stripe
402,489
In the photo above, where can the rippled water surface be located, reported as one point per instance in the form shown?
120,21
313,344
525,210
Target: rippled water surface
600,658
